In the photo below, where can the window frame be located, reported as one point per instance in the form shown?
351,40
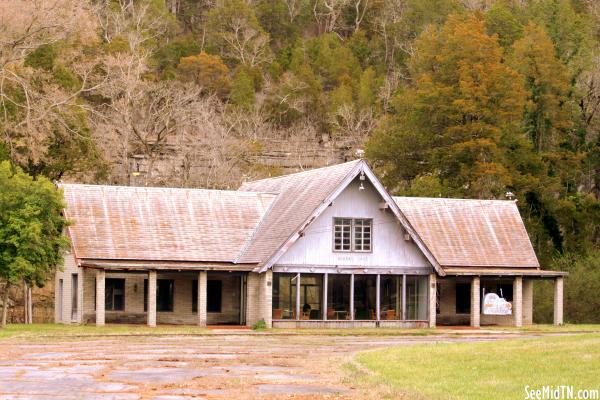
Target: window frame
353,226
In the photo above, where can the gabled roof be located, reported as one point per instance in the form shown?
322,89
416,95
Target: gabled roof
299,195
302,198
160,224
471,233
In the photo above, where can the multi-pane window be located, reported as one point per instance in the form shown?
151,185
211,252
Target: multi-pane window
352,234
362,234
342,234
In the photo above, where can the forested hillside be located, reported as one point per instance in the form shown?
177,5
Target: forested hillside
455,98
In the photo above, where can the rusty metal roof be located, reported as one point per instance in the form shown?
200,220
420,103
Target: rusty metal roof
471,233
299,195
160,224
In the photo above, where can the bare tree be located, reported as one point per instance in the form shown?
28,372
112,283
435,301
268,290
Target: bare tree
32,104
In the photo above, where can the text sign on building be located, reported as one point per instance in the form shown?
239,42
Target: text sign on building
496,305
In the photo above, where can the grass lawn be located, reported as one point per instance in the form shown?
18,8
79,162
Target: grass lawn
485,370
44,330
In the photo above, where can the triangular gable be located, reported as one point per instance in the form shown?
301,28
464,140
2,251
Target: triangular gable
351,171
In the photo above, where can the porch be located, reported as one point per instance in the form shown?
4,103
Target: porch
161,297
460,297
358,299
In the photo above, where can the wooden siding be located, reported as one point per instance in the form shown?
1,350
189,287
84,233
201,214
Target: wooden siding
389,248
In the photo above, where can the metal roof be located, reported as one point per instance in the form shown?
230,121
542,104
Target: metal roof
471,233
160,224
300,194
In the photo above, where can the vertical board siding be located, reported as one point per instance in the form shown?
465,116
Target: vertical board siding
388,245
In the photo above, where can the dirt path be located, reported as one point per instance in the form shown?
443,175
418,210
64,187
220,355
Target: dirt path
219,366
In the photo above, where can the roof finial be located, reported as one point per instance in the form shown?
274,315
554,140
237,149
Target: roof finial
360,153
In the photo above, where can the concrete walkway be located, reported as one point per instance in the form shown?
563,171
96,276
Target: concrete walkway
225,365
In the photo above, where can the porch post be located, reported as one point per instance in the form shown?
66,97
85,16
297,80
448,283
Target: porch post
202,278
100,290
378,294
518,300
152,298
432,299
298,316
558,300
404,297
325,285
351,297
475,302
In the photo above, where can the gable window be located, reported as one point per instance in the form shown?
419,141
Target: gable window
114,294
352,234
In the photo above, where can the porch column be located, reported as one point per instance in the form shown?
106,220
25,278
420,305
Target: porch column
475,302
378,295
558,300
152,298
100,289
325,285
432,299
404,297
267,295
298,309
518,301
202,278
351,297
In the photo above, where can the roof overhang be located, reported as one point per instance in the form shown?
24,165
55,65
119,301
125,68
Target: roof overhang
489,271
147,265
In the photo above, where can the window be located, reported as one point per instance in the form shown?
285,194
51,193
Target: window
114,294
195,295
463,298
284,296
74,290
362,234
416,297
342,234
164,294
213,296
352,234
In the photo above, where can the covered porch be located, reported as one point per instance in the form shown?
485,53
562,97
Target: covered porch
361,298
164,297
461,295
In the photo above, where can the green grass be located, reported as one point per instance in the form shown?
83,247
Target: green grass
484,370
44,330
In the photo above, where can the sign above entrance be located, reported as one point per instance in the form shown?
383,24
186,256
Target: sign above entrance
496,305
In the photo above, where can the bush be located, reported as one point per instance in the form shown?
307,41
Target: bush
260,325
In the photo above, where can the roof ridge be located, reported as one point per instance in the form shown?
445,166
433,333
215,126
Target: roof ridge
273,178
453,199
166,188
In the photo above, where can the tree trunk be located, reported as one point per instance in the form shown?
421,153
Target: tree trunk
5,305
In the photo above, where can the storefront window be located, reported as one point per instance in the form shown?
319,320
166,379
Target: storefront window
365,296
391,297
284,296
416,297
338,296
311,292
